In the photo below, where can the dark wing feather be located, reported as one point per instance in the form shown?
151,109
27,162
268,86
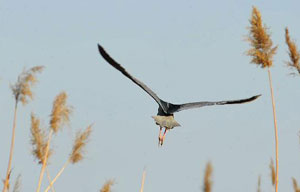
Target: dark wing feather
136,81
176,108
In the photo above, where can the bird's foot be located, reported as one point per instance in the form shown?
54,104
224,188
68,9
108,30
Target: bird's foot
161,142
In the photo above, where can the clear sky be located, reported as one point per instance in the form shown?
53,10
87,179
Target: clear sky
185,51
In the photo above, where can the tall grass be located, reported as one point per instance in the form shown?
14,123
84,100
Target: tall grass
207,178
77,152
293,52
22,93
262,53
143,181
59,117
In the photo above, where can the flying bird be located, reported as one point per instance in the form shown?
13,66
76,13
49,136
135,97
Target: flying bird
165,115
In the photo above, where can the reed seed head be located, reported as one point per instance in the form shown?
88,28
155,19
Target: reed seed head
262,51
293,52
207,178
38,140
22,88
60,112
79,144
107,186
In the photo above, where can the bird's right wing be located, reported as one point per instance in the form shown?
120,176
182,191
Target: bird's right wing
117,66
176,108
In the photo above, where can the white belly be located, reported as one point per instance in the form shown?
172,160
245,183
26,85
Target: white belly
166,121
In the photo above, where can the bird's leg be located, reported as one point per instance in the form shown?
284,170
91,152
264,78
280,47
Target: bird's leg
164,136
159,137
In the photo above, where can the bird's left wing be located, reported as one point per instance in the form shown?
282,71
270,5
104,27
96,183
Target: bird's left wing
117,66
176,108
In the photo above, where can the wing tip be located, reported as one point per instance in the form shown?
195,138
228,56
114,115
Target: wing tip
100,48
254,97
257,96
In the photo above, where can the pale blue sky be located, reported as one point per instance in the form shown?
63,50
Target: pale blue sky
185,51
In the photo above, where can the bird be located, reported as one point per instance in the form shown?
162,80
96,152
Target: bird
165,115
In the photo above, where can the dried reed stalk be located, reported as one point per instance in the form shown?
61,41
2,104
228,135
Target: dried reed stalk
44,163
57,175
262,53
39,143
275,128
77,152
49,179
293,52
259,184
143,181
22,92
296,188
59,117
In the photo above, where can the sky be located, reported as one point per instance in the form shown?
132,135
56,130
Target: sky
185,51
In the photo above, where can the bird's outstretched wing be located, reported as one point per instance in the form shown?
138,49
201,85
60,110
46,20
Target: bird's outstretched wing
176,108
136,81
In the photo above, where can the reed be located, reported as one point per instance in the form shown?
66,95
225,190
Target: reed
22,93
143,181
295,185
207,178
77,153
262,52
107,186
259,184
59,117
38,140
293,52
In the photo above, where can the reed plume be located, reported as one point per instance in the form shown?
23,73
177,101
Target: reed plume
207,178
22,92
107,186
22,88
77,151
293,52
38,140
296,188
79,144
60,112
59,117
262,53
